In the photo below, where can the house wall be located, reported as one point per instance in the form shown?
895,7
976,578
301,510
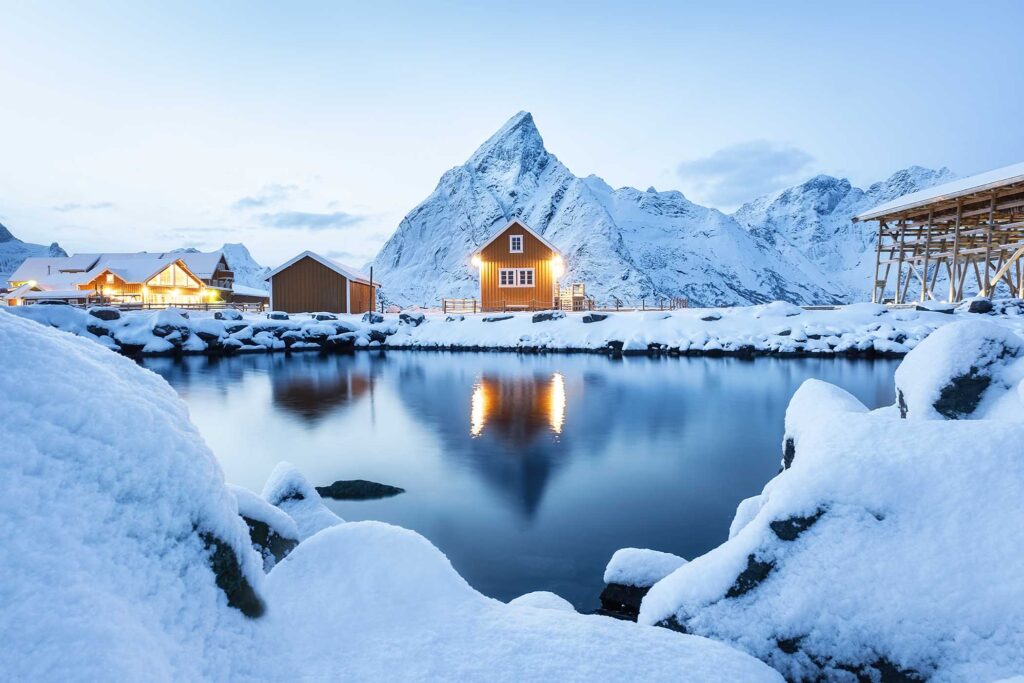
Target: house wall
362,298
307,286
496,256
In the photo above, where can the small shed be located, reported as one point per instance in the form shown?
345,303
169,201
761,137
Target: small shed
311,282
518,269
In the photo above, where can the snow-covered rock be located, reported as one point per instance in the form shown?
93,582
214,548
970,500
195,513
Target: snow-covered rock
123,556
885,549
640,567
13,252
543,600
625,244
272,531
288,490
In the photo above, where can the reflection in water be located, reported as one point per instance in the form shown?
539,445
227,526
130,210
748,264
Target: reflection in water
565,458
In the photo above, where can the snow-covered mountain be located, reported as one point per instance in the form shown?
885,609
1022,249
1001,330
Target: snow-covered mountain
13,251
623,243
813,220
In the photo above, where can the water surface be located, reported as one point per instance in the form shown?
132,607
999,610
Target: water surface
527,471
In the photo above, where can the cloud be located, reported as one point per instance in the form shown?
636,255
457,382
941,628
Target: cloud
74,206
739,173
274,193
298,220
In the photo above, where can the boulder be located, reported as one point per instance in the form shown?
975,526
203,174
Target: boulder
594,317
413,319
105,313
227,314
372,318
980,305
277,315
496,318
324,316
358,489
545,316
455,318
711,317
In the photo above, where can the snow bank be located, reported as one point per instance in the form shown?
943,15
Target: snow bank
886,547
639,567
288,490
117,529
543,600
389,605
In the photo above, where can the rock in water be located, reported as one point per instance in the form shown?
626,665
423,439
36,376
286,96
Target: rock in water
358,489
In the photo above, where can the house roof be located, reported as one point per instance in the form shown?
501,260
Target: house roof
135,268
524,226
981,182
58,294
56,268
336,266
249,291
203,264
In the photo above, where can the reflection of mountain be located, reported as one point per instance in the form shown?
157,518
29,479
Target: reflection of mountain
314,391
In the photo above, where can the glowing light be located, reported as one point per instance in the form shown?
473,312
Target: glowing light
175,293
477,410
31,283
211,294
145,290
477,261
557,267
556,403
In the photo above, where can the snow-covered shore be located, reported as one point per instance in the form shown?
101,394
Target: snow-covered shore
773,329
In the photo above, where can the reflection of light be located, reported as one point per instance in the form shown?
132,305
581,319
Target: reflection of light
477,262
477,410
556,266
556,403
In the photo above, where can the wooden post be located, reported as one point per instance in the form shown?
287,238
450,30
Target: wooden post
987,291
925,289
954,269
372,303
897,295
878,258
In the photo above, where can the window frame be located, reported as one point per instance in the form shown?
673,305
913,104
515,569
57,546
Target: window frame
516,278
511,244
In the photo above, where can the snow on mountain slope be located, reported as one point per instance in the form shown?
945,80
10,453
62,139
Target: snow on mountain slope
247,271
813,220
13,251
623,243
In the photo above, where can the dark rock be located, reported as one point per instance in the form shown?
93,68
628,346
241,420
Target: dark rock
358,489
377,336
98,330
615,345
324,316
545,316
338,342
962,395
751,577
277,315
372,318
231,328
902,403
227,314
411,319
937,309
789,645
711,317
788,452
622,601
790,529
166,330
672,624
980,306
105,313
228,572
268,543
594,317
455,318
496,318
784,333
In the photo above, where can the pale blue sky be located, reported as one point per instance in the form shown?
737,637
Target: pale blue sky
133,125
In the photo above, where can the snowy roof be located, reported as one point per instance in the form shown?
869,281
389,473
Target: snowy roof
202,264
524,226
336,266
58,294
249,291
41,268
134,268
947,191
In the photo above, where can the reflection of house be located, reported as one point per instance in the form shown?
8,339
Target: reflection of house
139,278
311,282
519,409
314,394
518,269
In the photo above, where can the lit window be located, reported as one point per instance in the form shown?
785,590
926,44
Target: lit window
515,277
526,277
515,244
110,278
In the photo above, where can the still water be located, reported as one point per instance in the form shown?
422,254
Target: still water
527,471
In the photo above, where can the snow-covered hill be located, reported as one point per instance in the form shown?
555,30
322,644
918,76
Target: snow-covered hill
13,251
813,220
623,243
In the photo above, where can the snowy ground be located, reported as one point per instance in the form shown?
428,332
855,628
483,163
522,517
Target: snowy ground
777,328
125,558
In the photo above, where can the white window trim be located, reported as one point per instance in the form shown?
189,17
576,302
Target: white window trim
511,243
515,278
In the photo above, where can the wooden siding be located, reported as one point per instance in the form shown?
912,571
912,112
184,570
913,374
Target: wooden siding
496,256
308,286
362,299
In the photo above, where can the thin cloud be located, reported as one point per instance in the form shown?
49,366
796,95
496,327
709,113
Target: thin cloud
74,206
304,220
739,173
275,193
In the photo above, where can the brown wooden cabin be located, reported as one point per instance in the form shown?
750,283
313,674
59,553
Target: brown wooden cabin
310,282
148,280
518,269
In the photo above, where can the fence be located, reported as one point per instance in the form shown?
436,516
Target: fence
459,306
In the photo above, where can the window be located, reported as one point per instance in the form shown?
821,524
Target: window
515,277
110,278
515,244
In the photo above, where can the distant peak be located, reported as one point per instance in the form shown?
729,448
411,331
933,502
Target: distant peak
5,234
518,132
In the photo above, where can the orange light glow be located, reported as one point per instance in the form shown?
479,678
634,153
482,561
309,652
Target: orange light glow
556,403
477,410
477,261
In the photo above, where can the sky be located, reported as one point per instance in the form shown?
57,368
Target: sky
290,126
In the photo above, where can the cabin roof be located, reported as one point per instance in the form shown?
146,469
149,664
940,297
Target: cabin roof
990,180
203,264
524,226
136,269
338,267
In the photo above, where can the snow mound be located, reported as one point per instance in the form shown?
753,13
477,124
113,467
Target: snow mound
814,401
288,490
543,600
885,549
272,531
959,371
640,567
405,614
122,550
778,309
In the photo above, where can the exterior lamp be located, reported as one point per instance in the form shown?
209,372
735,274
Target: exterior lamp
31,284
477,262
557,267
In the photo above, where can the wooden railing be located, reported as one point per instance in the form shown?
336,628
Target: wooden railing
460,306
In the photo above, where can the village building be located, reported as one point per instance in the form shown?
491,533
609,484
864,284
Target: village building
519,269
143,278
969,232
311,282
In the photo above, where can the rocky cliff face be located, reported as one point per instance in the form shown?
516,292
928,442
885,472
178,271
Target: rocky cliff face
13,252
623,243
